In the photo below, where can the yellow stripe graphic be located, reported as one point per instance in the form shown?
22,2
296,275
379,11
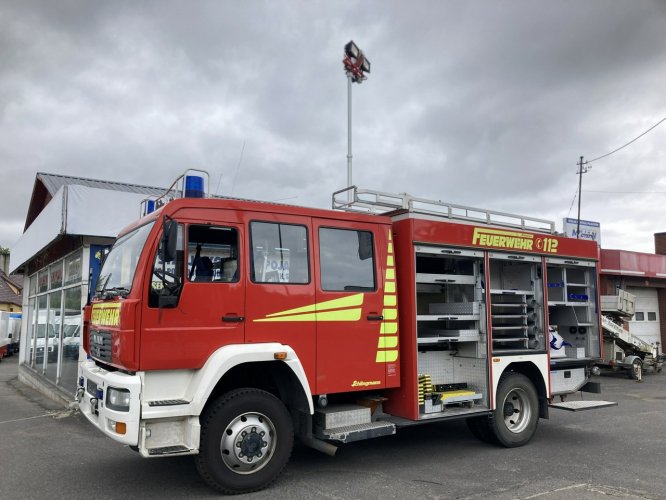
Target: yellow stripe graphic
387,341
350,301
386,356
347,311
388,328
388,338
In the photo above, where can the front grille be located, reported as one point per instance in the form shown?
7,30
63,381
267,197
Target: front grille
100,344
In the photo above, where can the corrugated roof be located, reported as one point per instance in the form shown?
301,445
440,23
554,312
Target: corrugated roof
7,295
53,182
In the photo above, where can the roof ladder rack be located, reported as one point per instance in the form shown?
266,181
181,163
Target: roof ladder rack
353,199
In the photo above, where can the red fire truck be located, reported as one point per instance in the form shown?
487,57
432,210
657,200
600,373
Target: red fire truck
222,328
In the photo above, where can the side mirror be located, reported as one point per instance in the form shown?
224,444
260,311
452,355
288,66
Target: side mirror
169,241
364,245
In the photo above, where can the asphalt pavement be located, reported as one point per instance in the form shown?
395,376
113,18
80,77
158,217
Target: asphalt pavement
47,452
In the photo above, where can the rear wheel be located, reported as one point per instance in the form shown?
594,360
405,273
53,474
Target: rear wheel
636,370
517,414
246,440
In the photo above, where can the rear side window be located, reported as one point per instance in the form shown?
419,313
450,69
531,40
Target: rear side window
212,254
279,253
347,260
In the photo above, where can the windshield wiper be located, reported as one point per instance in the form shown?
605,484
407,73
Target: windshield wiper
112,293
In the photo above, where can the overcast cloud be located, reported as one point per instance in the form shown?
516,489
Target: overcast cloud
487,104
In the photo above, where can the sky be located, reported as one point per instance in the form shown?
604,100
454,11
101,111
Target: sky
478,103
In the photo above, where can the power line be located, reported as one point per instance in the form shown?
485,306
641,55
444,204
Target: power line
630,142
623,192
572,202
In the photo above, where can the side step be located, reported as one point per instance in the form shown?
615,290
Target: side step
357,432
169,450
581,405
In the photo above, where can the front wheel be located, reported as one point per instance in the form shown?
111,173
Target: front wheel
246,440
517,414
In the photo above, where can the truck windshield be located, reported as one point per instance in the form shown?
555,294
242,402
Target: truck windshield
119,267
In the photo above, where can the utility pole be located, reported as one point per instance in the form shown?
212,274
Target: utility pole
582,169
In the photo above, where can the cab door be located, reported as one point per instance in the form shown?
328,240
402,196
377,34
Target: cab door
210,308
351,352
280,290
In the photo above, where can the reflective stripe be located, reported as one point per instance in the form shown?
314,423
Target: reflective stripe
388,328
389,260
390,314
390,274
386,356
389,300
342,315
387,341
389,287
349,301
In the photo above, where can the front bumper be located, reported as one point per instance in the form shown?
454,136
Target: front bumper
94,383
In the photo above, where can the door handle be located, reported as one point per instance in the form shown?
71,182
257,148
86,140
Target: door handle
375,317
232,319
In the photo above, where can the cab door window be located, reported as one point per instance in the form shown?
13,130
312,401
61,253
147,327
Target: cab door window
347,260
212,254
279,253
167,276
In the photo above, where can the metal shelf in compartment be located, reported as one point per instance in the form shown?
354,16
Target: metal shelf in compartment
511,292
510,327
509,304
444,279
431,337
449,317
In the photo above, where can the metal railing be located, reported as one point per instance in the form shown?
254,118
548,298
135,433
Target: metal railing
377,202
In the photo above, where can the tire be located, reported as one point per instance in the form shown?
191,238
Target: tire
246,440
480,428
516,417
636,370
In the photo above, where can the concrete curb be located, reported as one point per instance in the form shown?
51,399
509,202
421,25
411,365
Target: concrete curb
30,377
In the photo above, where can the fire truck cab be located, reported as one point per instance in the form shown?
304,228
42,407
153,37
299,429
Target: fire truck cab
223,328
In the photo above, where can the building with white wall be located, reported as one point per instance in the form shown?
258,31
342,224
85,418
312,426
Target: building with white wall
70,221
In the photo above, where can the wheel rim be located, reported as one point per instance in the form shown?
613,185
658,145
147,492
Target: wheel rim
248,443
517,410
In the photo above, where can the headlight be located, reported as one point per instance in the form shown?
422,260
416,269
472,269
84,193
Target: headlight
118,399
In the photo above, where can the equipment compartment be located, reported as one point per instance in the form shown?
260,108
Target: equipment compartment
451,331
572,310
516,304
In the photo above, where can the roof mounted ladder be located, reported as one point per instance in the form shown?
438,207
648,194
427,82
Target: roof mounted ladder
353,199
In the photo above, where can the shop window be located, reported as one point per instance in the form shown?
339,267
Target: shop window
55,273
279,253
43,280
30,315
346,259
652,316
71,338
212,254
73,268
33,285
53,338
639,316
